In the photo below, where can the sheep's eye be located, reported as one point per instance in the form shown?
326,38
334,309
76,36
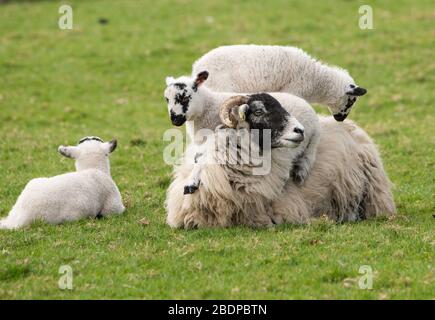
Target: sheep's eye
258,113
167,100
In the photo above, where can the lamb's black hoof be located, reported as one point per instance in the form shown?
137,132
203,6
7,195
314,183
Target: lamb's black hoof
190,189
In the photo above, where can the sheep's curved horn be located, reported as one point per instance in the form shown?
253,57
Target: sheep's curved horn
225,114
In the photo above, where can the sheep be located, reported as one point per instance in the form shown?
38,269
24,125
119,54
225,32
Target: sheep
88,192
346,183
261,112
190,100
256,68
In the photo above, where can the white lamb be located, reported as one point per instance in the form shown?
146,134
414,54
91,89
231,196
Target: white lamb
88,192
255,68
189,100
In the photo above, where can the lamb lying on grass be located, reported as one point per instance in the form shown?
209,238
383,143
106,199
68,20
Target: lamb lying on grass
254,68
88,192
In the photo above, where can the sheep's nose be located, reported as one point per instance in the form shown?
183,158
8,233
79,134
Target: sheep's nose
177,119
299,130
340,116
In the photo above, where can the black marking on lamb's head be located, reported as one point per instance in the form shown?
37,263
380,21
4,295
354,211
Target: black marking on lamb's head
183,98
265,112
90,139
352,92
178,96
180,85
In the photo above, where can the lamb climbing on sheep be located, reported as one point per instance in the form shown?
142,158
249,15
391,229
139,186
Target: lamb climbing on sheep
190,100
88,192
256,68
346,183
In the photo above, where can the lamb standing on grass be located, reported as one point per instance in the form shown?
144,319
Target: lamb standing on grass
254,68
88,192
190,100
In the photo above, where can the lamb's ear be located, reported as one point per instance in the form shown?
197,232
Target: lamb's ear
170,80
69,152
200,78
110,146
353,90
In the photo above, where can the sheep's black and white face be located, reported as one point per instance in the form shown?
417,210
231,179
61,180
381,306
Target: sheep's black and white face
180,94
343,107
265,112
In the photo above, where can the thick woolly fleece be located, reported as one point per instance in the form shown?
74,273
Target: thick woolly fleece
347,183
257,68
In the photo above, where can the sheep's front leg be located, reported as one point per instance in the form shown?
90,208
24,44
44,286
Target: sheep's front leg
194,179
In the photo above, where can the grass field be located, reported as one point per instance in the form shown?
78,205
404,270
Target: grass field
108,80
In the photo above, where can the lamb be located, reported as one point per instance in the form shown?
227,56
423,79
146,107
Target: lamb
88,192
189,100
255,68
346,183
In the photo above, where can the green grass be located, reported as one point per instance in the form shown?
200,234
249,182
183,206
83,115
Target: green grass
57,86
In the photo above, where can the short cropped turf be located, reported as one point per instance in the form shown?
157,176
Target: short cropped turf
106,77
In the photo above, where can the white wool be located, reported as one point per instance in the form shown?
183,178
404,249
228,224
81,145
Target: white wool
256,68
88,192
203,113
347,183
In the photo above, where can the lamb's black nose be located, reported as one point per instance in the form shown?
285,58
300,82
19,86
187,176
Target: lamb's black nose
299,130
177,119
340,116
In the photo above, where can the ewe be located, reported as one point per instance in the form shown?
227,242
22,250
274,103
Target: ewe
231,192
254,68
346,183
189,100
88,192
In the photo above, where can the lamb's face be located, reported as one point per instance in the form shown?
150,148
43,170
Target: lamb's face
264,112
181,94
342,107
90,152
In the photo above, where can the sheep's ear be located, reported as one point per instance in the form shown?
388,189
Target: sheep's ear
242,111
69,152
353,90
110,146
200,78
170,80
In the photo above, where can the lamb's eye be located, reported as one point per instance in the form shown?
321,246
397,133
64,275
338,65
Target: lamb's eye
258,113
167,100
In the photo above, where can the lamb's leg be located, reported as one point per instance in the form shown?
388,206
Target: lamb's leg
15,220
113,205
195,176
302,165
